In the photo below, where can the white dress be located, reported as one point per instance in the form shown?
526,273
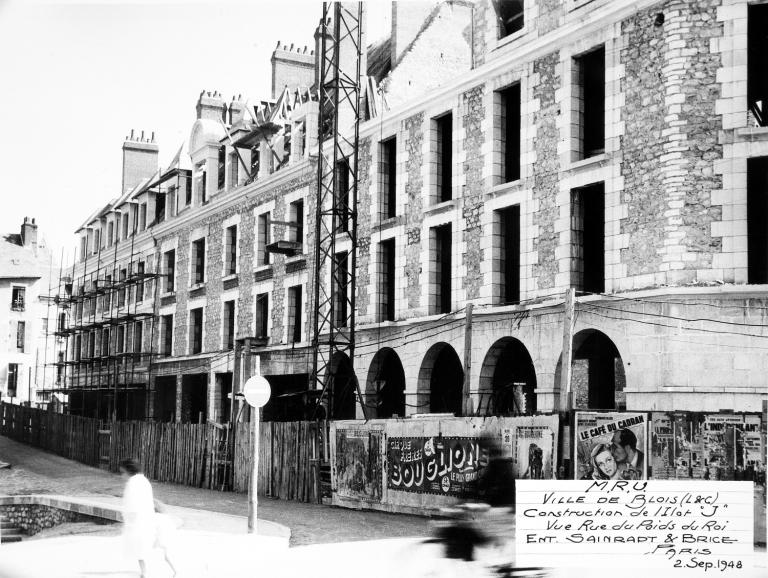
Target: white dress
138,518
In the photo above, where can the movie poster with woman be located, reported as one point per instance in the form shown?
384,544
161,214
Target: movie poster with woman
611,446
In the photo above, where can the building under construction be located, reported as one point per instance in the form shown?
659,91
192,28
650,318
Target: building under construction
494,160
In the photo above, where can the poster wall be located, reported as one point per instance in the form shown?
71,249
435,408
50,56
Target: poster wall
533,445
437,465
358,463
610,446
708,446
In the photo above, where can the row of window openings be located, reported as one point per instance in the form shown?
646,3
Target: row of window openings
109,342
510,19
588,248
294,327
590,69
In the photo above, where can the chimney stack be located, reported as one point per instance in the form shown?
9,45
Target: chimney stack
140,157
211,106
29,233
291,67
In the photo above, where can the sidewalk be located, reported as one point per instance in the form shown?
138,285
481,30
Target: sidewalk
37,472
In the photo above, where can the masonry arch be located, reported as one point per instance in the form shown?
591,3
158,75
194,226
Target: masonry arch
342,389
385,385
507,380
597,372
441,381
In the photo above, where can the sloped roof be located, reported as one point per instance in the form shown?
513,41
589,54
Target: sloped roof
380,58
17,261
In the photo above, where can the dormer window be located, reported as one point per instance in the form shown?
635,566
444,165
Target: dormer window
200,180
510,16
221,168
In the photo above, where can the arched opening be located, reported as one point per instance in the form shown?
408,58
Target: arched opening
441,381
385,386
342,389
597,372
507,380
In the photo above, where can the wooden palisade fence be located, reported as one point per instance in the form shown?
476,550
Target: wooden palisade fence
178,452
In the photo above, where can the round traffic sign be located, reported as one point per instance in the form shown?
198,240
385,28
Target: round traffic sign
257,391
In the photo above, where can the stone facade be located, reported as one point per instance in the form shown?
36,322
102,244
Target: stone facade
676,307
545,171
413,135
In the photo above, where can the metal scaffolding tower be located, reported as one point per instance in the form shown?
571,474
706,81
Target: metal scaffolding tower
336,213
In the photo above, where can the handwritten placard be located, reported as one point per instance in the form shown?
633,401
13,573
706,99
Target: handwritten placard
683,525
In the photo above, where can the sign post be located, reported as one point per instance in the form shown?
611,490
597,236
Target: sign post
256,392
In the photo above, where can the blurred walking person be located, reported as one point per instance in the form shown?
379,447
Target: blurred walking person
139,531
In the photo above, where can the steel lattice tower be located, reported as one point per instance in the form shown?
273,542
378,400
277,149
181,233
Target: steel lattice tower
339,90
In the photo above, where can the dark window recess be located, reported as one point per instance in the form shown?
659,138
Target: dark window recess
234,167
92,344
296,234
125,226
509,254
444,153
294,314
13,379
588,238
388,280
121,288
286,147
62,321
196,330
170,271
110,233
202,179
757,60
591,71
167,340
255,161
140,281
262,315
60,368
339,282
230,266
198,261
388,177
229,325
188,190
138,336
21,331
121,339
18,298
757,217
221,168
263,254
105,342
342,196
510,15
510,133
159,207
442,279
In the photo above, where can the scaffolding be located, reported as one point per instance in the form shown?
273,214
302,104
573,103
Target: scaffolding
107,318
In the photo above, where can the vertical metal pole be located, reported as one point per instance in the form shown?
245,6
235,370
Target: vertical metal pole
253,497
467,406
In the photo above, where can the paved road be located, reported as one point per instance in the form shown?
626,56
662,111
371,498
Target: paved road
37,472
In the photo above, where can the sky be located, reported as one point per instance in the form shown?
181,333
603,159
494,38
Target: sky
76,77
